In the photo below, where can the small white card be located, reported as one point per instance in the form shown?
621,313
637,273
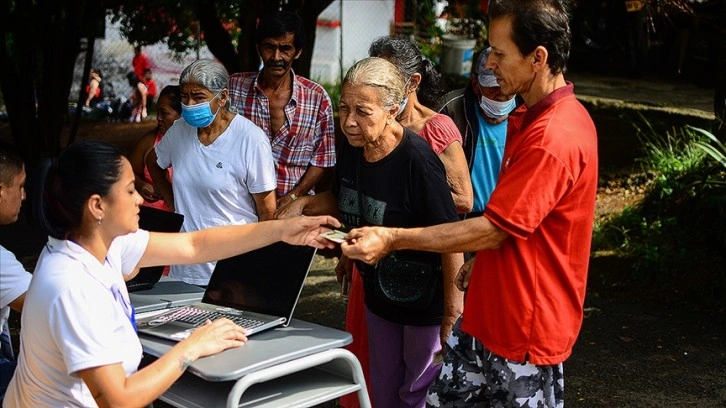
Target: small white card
335,236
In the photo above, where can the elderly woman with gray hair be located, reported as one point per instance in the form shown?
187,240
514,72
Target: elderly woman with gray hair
224,173
387,175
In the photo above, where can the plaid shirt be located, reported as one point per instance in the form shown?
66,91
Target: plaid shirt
307,138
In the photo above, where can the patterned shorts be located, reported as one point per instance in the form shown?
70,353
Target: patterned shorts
472,376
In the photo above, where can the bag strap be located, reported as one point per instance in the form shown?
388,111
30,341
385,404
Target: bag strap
359,190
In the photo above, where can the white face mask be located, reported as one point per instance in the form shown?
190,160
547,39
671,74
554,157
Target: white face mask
495,109
403,103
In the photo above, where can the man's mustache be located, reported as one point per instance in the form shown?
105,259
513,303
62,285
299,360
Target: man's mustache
275,64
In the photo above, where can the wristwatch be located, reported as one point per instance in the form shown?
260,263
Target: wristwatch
293,196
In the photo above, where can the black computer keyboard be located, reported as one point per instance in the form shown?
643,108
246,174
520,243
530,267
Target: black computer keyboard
134,286
197,317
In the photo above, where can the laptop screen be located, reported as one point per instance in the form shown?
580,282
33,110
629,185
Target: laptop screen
267,280
153,219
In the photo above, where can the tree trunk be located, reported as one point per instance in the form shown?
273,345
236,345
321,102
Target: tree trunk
216,37
61,34
17,81
39,44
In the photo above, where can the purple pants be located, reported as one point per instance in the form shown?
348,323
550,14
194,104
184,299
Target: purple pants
401,359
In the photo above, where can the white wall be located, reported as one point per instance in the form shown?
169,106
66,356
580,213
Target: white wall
362,22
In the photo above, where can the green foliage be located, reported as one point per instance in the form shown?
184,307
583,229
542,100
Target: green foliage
333,90
426,20
429,35
711,145
676,236
147,22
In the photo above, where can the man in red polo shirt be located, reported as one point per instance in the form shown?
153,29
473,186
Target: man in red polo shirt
525,291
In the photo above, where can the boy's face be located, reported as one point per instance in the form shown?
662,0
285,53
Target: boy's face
11,198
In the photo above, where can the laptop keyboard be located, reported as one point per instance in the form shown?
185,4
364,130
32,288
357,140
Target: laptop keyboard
197,317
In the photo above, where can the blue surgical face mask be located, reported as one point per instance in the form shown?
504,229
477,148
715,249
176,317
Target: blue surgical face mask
495,109
199,115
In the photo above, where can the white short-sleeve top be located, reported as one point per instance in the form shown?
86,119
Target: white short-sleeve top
72,321
14,281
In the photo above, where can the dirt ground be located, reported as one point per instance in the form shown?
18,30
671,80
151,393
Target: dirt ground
637,348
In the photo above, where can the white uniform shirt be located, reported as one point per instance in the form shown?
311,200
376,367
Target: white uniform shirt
213,185
71,322
14,281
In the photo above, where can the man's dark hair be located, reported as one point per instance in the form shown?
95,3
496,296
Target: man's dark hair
11,162
535,23
280,23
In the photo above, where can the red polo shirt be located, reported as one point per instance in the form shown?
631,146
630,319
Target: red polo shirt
525,299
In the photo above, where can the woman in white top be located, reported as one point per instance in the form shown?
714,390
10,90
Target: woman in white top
224,172
78,346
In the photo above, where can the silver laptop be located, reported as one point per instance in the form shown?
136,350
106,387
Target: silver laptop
257,290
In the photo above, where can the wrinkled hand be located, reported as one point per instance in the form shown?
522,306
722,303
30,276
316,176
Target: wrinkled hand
289,209
344,268
443,336
462,278
217,336
447,324
304,230
148,193
284,201
368,244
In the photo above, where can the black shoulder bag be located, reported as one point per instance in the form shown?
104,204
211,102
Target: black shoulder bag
403,282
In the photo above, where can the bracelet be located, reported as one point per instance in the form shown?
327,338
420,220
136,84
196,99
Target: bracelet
293,196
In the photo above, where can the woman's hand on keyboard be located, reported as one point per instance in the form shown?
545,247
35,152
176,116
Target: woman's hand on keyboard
213,337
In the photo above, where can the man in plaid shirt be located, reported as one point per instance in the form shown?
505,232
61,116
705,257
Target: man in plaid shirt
294,112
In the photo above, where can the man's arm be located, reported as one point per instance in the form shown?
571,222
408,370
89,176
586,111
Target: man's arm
324,203
370,244
453,297
307,182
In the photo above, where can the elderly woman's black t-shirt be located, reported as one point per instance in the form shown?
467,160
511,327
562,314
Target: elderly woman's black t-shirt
407,188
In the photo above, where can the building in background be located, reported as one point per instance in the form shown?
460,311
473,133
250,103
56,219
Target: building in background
345,30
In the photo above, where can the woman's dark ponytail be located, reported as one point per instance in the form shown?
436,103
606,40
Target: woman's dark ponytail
432,85
42,192
84,168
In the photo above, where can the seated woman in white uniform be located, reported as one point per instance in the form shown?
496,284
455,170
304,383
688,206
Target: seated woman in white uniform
78,345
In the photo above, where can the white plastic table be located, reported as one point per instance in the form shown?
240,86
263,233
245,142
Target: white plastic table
300,365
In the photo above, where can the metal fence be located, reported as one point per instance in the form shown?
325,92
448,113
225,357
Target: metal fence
344,32
113,54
